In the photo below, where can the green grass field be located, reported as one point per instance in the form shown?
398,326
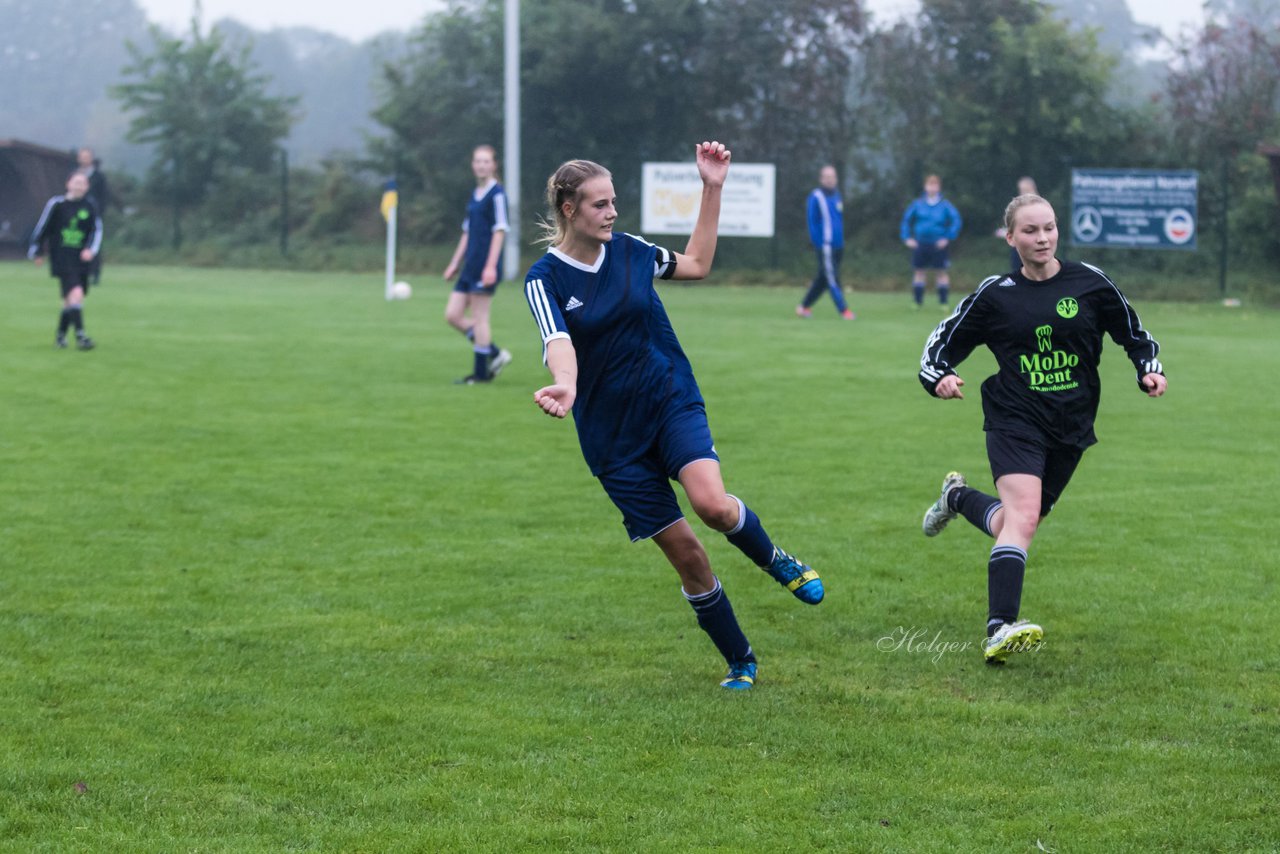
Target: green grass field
270,582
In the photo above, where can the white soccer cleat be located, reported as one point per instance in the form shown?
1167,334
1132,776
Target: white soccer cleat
1021,636
939,513
498,362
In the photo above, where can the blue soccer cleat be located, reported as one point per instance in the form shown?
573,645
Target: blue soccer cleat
741,676
796,577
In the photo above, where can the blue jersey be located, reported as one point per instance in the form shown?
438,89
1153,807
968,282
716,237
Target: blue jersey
826,218
486,213
631,369
928,222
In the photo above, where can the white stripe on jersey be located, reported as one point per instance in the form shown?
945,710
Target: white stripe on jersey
536,294
926,364
97,234
1130,316
664,262
826,218
500,222
36,238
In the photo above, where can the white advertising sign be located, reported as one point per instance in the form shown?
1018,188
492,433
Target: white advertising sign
671,193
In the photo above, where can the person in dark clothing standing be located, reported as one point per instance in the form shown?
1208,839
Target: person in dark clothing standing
71,230
1044,324
98,193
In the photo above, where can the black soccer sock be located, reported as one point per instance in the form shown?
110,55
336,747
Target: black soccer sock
481,362
716,618
976,507
944,291
1005,572
64,322
749,536
77,319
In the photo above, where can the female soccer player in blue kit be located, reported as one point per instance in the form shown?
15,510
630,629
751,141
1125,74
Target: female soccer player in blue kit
476,262
616,364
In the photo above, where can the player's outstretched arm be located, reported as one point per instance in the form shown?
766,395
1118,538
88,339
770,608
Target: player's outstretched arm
562,361
713,168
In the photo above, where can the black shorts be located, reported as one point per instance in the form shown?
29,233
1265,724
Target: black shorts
76,276
1052,463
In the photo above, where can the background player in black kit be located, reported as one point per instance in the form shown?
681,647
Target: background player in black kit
1044,325
72,230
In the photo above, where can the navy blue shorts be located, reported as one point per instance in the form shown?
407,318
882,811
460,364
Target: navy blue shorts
1052,463
642,490
471,285
930,257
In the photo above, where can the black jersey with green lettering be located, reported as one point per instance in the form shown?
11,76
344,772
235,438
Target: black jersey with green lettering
67,227
1047,340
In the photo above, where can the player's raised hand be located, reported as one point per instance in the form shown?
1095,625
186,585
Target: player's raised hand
713,163
555,400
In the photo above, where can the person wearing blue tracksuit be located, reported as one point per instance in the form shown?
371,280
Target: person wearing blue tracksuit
929,225
826,233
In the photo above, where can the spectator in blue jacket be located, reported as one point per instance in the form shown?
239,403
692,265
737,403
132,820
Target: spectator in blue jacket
929,225
826,233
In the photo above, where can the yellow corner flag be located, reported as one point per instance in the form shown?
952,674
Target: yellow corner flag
390,199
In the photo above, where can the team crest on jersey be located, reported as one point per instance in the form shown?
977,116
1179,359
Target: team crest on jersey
1068,307
573,303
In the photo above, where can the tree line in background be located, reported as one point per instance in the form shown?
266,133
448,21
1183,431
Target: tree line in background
979,91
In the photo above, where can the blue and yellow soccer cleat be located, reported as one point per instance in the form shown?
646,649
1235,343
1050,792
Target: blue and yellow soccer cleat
796,577
1021,636
741,676
939,512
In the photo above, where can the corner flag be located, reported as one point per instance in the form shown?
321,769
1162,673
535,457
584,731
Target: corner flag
390,201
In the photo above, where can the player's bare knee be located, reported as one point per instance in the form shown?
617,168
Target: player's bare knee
717,514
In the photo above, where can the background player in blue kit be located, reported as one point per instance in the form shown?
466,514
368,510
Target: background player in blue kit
476,264
928,226
616,364
72,230
1044,324
825,212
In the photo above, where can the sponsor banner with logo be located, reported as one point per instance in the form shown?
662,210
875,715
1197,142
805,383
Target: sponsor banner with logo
671,193
1134,208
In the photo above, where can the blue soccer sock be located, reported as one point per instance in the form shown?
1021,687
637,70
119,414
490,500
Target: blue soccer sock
976,507
944,292
1005,572
917,292
716,618
749,536
481,362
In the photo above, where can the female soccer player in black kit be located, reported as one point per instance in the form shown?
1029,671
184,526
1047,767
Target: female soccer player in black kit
1044,325
72,229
